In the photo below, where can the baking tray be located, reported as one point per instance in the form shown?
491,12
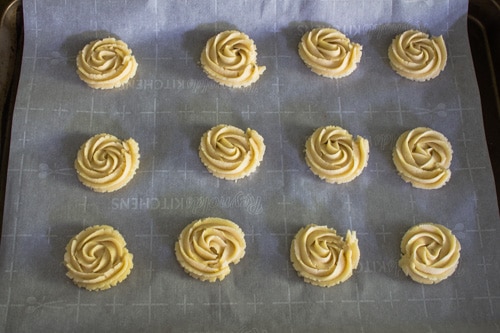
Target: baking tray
484,38
216,305
11,46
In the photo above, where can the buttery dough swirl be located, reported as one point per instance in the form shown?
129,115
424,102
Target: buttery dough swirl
417,57
97,258
105,164
230,59
322,257
105,64
230,153
206,247
430,253
328,52
334,156
422,157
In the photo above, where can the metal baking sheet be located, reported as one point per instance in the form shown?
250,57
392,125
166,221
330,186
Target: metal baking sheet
167,107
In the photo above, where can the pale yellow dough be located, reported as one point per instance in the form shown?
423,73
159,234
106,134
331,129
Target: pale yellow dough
230,153
328,52
333,155
207,247
105,64
422,157
97,259
105,164
322,257
430,253
416,56
230,59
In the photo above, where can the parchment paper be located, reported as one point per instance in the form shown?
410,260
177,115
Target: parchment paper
167,107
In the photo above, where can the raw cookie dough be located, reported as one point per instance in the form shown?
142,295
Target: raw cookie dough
334,156
322,257
105,164
422,157
230,153
230,59
97,258
430,253
329,53
417,57
206,247
105,64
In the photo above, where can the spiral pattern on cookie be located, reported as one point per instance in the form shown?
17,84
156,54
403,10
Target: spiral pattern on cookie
430,253
105,164
322,257
230,59
105,64
207,247
97,259
422,157
417,57
334,156
328,52
230,153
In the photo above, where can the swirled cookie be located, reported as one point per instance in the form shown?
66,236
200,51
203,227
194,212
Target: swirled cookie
430,253
105,164
206,247
417,57
97,259
329,53
322,257
230,59
105,64
334,156
422,157
230,153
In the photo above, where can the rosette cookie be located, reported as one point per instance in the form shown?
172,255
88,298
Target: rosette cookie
230,59
206,247
322,257
105,64
422,157
97,258
430,253
334,156
417,57
105,164
230,153
329,53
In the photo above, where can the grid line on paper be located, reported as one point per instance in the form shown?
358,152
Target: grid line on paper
399,111
391,300
325,301
252,234
79,305
383,233
358,301
184,304
484,265
150,304
377,170
151,236
455,298
340,111
425,300
286,234
254,303
114,304
489,297
288,302
479,230
91,112
219,304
